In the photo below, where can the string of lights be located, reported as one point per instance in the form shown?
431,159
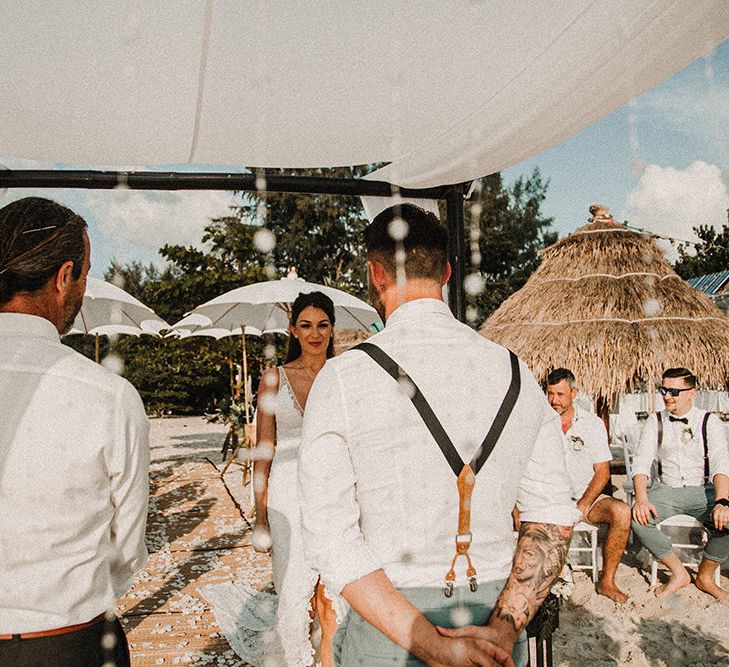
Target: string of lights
673,240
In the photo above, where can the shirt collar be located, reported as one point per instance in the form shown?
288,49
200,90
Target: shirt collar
28,325
416,310
690,415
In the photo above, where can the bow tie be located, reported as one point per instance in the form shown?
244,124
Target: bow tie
683,420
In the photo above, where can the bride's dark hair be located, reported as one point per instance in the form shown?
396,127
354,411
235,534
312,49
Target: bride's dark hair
318,300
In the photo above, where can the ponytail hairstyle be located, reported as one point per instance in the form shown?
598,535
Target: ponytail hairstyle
37,236
304,300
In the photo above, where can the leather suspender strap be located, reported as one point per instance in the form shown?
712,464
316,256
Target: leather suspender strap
706,448
660,442
391,367
465,474
502,416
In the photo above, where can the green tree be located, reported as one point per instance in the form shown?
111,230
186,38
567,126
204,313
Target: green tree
710,255
508,232
318,235
132,277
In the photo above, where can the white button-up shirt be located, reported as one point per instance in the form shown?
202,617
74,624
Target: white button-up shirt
585,444
74,461
375,489
682,449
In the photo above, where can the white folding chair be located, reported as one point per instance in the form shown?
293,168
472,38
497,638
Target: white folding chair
684,521
628,485
584,541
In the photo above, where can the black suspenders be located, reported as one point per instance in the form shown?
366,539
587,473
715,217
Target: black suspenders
465,474
703,438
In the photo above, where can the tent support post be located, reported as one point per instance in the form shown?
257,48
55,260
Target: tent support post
455,216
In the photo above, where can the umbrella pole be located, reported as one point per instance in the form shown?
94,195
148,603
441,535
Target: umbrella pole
96,356
246,398
230,367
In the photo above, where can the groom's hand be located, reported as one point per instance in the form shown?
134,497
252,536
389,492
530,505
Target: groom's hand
478,645
471,652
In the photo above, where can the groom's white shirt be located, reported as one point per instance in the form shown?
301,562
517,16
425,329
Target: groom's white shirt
375,489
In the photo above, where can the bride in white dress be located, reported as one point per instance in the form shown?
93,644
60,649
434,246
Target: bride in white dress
283,639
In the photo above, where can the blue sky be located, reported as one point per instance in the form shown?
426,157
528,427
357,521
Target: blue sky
662,162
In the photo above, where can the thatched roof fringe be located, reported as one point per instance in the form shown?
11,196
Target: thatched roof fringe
620,230
610,319
606,275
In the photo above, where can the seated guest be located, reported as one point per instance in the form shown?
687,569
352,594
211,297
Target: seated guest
588,456
690,448
74,457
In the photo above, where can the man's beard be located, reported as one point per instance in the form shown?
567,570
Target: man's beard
71,308
376,300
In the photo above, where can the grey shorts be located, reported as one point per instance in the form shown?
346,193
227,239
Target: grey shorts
358,643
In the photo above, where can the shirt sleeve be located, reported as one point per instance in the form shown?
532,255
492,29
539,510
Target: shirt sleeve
601,449
128,464
333,543
647,446
544,494
716,442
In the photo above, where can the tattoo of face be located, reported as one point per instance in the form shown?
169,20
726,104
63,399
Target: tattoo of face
540,555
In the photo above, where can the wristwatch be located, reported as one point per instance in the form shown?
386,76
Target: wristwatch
722,501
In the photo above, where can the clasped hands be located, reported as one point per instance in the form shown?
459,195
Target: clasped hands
473,645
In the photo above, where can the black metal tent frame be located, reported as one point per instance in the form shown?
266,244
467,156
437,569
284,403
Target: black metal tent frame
261,181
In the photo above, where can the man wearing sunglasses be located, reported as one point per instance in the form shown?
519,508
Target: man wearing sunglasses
690,448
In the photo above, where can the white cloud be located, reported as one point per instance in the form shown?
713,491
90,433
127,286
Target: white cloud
149,219
671,202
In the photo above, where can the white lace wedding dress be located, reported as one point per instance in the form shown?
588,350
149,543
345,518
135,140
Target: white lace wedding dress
273,630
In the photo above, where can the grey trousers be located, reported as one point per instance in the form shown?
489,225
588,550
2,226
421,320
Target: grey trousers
696,501
358,643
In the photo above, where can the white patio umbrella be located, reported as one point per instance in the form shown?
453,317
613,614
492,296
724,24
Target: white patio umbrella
107,310
195,324
105,304
266,306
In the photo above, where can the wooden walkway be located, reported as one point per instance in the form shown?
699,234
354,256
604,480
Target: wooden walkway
196,535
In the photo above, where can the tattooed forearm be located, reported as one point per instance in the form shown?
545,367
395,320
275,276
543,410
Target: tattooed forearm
540,555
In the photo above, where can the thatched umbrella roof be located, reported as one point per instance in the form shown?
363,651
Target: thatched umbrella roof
606,304
344,339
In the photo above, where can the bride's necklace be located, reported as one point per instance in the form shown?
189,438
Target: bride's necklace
309,372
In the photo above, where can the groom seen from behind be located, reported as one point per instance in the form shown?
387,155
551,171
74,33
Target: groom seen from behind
410,464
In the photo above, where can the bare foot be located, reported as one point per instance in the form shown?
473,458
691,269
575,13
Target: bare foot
675,583
708,585
610,590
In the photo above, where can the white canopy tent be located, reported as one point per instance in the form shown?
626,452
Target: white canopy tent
445,91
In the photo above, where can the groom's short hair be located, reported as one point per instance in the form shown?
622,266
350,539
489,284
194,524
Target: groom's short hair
424,240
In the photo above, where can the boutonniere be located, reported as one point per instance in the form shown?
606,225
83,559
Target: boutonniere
687,434
577,442
564,584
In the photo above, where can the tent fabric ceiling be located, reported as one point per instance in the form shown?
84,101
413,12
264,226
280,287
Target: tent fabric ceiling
445,91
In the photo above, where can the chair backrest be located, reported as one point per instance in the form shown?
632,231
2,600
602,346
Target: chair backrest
628,456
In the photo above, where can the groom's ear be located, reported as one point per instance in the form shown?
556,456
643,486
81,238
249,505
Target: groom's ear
377,274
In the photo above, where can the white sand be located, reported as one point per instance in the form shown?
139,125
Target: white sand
691,628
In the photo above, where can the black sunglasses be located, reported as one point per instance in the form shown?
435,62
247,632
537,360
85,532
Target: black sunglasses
672,391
